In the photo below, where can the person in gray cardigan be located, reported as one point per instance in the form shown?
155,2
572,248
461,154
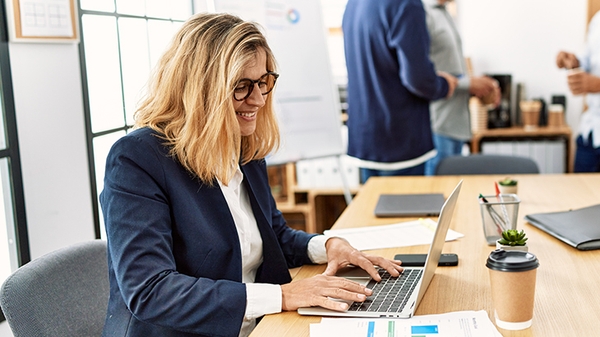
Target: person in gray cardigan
450,120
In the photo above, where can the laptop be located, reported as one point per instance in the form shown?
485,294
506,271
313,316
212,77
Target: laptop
396,297
396,205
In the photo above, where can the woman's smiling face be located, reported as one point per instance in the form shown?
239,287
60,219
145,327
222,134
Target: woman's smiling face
247,110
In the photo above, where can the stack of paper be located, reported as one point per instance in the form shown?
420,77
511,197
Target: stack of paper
404,234
454,324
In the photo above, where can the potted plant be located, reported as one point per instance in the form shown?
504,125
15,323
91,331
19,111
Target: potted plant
512,239
508,186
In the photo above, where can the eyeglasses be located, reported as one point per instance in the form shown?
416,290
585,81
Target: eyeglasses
244,87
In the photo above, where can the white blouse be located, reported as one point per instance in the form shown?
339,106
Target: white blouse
261,298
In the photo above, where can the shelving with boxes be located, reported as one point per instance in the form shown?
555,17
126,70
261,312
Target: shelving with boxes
549,145
311,207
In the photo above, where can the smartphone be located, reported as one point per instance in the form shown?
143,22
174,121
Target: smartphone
418,260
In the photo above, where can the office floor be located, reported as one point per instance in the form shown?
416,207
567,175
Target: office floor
5,330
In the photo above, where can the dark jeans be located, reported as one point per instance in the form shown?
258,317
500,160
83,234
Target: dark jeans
587,158
365,173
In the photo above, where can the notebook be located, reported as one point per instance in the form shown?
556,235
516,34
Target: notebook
578,228
396,297
395,205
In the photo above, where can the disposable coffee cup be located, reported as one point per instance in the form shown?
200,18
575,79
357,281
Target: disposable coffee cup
512,278
530,114
574,71
555,115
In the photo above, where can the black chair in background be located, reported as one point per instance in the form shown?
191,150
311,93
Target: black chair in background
486,164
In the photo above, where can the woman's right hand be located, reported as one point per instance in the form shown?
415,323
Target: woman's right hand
318,291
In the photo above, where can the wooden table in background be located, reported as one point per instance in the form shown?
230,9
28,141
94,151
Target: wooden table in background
567,300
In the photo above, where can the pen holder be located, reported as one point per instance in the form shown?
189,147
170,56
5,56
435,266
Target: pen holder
499,213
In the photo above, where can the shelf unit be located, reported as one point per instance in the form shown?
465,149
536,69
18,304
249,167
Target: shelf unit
518,133
312,210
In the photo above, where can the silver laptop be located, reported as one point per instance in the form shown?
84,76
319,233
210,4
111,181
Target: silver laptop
395,205
396,296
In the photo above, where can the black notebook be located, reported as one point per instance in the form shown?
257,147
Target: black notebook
579,228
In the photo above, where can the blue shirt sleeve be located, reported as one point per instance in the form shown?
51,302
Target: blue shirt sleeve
409,36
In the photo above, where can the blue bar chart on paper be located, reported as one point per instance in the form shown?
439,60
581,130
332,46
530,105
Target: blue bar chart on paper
423,330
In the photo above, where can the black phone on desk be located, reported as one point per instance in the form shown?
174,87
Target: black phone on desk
418,260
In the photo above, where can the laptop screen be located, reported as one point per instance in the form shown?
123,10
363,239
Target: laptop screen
439,238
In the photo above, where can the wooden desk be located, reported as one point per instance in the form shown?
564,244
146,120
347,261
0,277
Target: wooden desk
567,301
519,133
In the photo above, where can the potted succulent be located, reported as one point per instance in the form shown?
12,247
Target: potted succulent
508,186
512,239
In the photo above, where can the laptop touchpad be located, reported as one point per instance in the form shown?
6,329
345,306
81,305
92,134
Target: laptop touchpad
355,274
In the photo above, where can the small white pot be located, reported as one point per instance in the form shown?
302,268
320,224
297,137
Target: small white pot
507,189
508,247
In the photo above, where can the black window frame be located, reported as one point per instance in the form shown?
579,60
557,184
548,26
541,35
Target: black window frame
90,134
11,153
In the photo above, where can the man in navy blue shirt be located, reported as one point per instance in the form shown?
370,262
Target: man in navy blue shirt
390,83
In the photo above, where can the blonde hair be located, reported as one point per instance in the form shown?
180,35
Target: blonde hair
190,97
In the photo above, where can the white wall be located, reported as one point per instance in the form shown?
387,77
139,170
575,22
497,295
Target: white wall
50,124
522,38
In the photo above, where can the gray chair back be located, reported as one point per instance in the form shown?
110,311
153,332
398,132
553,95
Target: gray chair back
486,164
63,293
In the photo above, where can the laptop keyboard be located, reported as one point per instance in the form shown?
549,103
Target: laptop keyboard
391,293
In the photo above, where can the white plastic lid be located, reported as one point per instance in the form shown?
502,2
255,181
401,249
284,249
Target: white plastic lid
555,108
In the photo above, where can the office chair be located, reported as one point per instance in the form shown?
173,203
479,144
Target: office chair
63,293
485,164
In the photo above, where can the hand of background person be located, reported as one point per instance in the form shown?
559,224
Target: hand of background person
452,82
486,88
317,290
566,60
581,82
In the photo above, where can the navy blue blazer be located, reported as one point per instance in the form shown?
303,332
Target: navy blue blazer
173,251
390,80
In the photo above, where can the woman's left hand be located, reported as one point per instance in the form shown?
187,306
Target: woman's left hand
341,254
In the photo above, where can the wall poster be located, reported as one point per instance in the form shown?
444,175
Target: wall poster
42,20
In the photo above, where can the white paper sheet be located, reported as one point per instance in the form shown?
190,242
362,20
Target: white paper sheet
404,234
453,324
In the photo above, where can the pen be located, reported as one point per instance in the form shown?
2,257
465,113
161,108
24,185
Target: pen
494,215
504,211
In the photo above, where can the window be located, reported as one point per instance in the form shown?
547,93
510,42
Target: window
121,41
14,245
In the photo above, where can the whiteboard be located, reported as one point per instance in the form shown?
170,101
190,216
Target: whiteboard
306,98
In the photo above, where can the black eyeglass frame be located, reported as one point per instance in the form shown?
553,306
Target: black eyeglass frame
254,82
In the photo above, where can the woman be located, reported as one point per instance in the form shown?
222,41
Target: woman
196,244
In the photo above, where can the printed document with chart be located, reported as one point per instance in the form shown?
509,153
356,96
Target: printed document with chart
454,324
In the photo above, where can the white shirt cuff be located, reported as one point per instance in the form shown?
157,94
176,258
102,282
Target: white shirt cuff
262,299
316,249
